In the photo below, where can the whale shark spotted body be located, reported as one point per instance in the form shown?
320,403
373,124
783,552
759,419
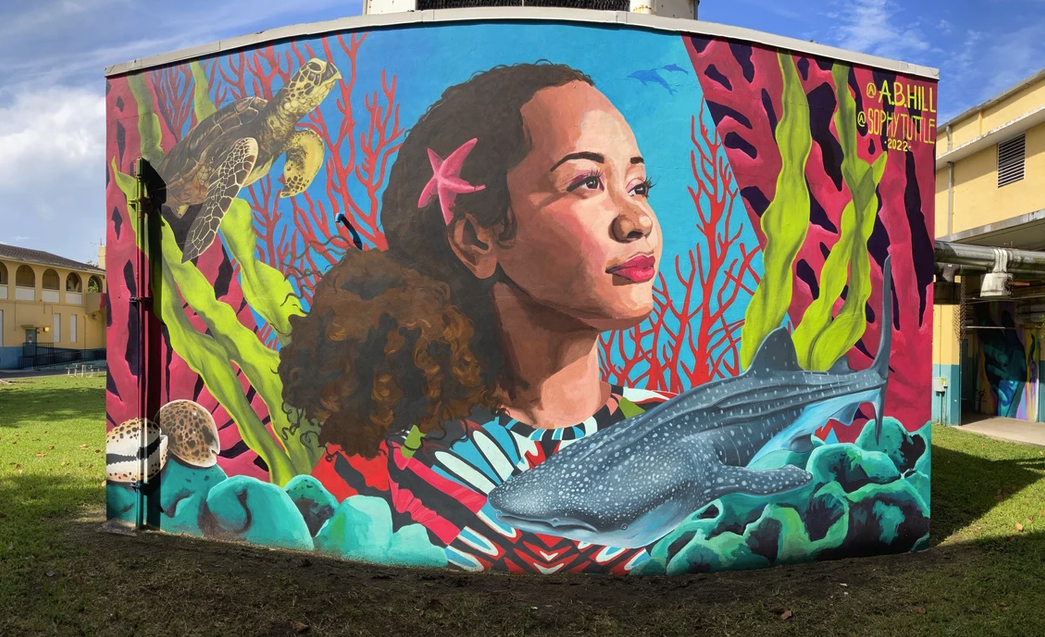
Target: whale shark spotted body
628,485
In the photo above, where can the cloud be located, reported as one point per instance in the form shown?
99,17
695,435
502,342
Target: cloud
52,154
52,112
52,129
878,28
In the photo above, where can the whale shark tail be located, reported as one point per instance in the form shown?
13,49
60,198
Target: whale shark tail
885,342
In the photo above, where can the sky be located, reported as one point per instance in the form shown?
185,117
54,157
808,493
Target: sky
53,54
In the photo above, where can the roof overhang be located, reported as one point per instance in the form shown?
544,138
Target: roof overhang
1023,232
1009,129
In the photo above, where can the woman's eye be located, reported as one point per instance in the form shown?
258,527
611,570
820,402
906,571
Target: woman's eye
643,188
589,182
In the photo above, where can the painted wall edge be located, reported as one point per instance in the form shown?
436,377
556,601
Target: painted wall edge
623,18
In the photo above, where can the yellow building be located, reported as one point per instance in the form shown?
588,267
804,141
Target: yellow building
51,309
990,191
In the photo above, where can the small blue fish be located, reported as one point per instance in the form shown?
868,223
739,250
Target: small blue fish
629,485
675,68
651,75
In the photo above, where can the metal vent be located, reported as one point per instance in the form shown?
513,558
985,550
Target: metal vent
1010,160
604,5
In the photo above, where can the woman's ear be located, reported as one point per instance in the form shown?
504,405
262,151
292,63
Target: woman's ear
474,245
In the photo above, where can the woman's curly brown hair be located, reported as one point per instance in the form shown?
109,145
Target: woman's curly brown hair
393,347
408,337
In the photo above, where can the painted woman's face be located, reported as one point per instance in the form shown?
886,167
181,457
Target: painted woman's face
587,241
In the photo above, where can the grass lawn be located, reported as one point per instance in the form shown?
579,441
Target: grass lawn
58,575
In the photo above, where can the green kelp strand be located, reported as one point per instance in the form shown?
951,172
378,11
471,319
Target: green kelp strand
820,338
208,359
786,220
258,362
148,122
265,288
201,102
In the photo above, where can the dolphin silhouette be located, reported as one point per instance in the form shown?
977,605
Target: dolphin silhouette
675,68
629,485
651,75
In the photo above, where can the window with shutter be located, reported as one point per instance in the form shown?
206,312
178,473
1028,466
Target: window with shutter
1010,160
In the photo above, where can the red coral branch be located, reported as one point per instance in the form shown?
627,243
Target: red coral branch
173,86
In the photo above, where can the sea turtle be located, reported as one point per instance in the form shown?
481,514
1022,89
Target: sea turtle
191,433
236,146
123,451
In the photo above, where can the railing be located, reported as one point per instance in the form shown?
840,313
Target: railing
43,354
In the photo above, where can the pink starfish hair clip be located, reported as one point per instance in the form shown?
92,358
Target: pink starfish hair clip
446,182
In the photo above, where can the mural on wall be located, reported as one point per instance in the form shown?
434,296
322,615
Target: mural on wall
661,317
1006,358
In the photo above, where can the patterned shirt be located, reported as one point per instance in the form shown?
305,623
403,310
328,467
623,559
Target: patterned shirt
444,483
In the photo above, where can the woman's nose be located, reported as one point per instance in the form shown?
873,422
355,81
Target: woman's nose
633,222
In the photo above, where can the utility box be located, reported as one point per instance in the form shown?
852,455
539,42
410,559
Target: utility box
501,289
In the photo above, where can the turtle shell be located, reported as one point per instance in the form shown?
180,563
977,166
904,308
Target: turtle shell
180,169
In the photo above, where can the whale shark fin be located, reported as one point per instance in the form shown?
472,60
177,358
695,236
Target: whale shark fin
754,482
881,359
776,353
846,415
879,406
801,444
885,339
841,366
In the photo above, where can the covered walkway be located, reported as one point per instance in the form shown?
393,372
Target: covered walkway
1009,429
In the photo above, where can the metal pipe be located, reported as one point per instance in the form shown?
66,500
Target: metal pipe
987,257
948,270
950,197
950,187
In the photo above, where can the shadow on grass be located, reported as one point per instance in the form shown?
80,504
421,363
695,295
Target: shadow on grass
78,580
51,404
249,590
966,487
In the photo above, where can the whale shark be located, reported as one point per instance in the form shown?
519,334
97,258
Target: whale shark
628,485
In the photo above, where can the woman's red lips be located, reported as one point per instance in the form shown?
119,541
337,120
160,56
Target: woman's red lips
638,269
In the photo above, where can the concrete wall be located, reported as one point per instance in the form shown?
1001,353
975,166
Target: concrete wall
442,279
1012,107
976,199
946,405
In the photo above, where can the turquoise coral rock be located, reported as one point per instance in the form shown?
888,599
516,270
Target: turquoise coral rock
183,491
315,503
119,502
851,466
869,497
903,447
361,529
247,509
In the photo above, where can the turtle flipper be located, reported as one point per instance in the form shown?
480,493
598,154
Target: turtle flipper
229,177
305,152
